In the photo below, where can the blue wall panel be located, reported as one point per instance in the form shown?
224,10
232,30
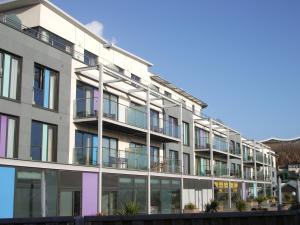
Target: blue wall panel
7,190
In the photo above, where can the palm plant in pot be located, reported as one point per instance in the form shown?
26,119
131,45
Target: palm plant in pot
190,208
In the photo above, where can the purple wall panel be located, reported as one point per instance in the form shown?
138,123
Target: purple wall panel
3,129
89,194
96,96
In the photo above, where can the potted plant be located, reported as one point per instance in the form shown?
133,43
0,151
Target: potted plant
240,205
190,208
129,209
213,206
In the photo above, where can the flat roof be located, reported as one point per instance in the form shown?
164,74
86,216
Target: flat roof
180,91
7,5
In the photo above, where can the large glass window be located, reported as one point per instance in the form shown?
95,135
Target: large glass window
174,162
186,133
86,148
90,58
86,100
8,136
165,195
110,153
121,189
45,87
201,138
10,75
110,106
43,142
203,166
154,120
173,126
186,163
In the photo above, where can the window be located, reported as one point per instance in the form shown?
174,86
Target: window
110,106
43,142
86,148
110,152
168,94
154,87
173,126
154,154
90,58
174,162
186,133
135,78
193,108
203,166
201,138
86,100
10,75
186,163
8,136
45,87
154,120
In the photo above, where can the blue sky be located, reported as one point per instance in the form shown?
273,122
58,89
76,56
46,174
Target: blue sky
239,56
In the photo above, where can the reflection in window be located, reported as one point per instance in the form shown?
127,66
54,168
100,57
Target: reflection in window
8,136
45,88
43,142
10,67
110,106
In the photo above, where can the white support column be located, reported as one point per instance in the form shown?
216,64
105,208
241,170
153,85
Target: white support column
181,156
211,157
193,155
242,160
100,134
43,194
279,194
148,152
255,167
298,191
229,194
228,151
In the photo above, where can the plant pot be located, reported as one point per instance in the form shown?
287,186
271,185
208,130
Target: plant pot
191,211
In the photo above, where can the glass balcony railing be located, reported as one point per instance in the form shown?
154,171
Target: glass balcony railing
164,127
166,165
202,143
259,157
235,151
220,171
88,108
249,176
129,159
236,174
260,176
248,158
220,145
203,172
87,156
131,115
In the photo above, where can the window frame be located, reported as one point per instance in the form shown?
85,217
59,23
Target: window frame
185,127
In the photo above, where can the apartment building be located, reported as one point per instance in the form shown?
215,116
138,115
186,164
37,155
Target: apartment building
86,127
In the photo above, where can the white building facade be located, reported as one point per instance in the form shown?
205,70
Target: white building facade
85,128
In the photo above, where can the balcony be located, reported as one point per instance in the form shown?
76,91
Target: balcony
220,171
248,176
166,165
202,143
162,126
204,172
260,176
87,156
127,119
259,158
236,174
235,151
129,159
220,145
248,159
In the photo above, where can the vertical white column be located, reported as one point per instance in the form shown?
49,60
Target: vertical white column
43,194
279,194
228,151
148,152
181,156
100,134
193,155
242,160
211,157
229,194
298,191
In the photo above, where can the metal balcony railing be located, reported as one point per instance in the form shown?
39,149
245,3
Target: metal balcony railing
166,165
